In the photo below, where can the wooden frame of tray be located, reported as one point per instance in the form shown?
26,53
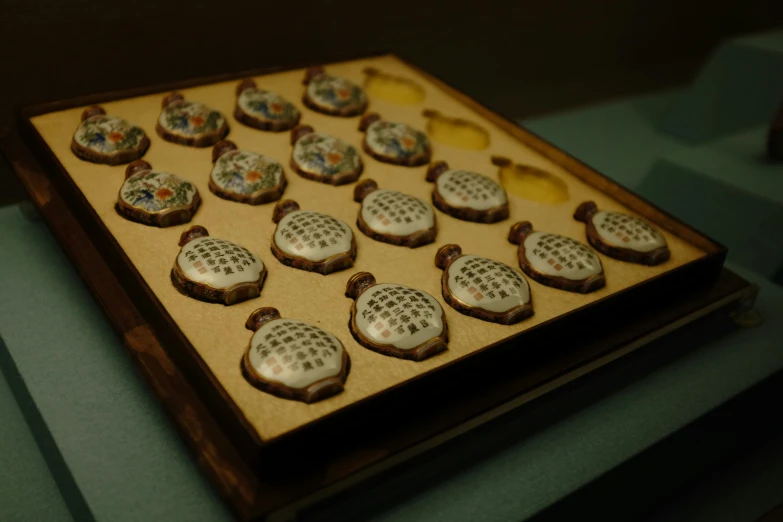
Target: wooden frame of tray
371,435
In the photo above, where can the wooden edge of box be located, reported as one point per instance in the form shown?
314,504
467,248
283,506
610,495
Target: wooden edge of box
232,474
190,364
706,267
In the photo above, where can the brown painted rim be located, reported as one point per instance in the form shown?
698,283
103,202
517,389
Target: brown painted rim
490,215
115,158
413,161
329,179
651,258
417,239
331,264
206,139
163,218
257,198
265,125
581,286
331,111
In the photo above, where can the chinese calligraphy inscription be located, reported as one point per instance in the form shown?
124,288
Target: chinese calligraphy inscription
396,320
292,359
557,261
621,236
216,270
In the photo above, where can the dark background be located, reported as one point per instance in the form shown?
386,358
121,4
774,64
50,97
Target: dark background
521,58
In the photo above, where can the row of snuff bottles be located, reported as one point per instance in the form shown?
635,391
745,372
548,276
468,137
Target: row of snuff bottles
251,178
313,241
101,138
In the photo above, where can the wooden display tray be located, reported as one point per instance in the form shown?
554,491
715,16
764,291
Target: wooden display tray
276,476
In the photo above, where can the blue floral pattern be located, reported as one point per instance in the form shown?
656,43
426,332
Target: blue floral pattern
245,172
267,105
325,155
396,140
333,92
107,134
154,191
190,118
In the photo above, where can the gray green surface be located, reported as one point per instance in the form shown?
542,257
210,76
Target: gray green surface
116,455
27,490
726,188
739,88
748,222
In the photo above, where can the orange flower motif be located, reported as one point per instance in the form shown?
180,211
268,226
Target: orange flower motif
408,142
164,193
253,176
276,107
197,120
334,158
114,137
343,93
